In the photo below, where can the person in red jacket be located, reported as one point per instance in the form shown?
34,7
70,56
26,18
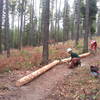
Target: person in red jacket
93,46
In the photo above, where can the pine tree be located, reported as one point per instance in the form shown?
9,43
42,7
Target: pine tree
85,48
66,21
45,29
77,21
7,33
1,13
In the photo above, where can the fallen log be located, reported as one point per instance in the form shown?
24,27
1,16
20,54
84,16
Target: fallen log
33,75
37,73
85,55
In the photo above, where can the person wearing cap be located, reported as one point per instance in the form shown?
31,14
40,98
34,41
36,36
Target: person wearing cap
75,59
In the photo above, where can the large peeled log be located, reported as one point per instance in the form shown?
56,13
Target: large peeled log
42,70
85,55
33,75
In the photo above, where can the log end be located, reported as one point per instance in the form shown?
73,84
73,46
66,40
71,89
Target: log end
18,84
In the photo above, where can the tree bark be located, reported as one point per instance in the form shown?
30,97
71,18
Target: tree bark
72,29
21,26
85,48
45,30
66,22
31,35
7,29
52,21
1,13
98,24
55,36
77,24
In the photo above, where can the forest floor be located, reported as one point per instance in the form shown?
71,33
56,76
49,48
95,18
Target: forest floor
60,83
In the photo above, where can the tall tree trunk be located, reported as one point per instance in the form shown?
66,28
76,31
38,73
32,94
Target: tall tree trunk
90,26
52,21
77,24
58,21
40,36
24,22
45,30
98,23
21,26
85,48
1,13
56,37
12,37
18,40
21,32
12,6
66,22
73,22
32,24
72,29
7,28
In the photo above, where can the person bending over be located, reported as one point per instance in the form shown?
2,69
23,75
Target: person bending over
75,59
93,46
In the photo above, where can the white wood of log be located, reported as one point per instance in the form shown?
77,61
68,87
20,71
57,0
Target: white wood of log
33,75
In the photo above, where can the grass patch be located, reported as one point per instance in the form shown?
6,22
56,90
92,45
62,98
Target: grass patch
24,52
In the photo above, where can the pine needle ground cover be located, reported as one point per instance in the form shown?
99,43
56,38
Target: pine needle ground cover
29,58
79,85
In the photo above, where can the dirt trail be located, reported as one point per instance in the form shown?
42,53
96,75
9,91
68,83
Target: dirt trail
42,86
